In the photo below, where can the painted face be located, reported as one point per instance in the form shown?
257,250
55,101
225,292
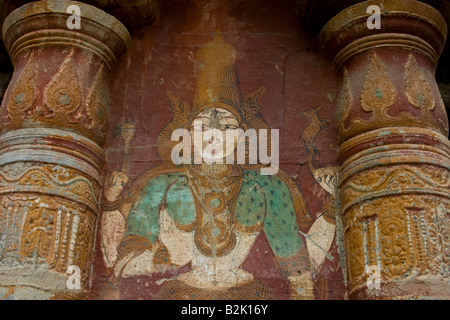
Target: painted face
209,132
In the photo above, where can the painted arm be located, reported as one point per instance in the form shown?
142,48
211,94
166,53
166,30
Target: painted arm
320,237
285,239
298,253
113,222
151,241
139,242
114,228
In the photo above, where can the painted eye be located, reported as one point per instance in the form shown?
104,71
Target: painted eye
198,127
229,127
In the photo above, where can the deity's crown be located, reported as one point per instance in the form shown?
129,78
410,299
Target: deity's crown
217,81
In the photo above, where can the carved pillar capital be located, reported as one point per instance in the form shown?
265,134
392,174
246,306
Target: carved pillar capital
388,73
60,72
43,24
407,24
394,154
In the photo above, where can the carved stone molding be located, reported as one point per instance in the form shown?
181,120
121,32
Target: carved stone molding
396,161
51,161
44,24
408,24
134,14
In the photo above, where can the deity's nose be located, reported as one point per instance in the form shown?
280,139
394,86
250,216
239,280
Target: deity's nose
215,139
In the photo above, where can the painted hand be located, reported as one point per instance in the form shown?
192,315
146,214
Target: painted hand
115,185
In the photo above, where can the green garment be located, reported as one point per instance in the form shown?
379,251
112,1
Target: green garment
262,199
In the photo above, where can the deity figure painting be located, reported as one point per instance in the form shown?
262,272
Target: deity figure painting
204,218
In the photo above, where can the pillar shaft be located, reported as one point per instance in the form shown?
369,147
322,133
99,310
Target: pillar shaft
53,123
394,153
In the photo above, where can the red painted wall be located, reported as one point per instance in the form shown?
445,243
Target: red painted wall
273,51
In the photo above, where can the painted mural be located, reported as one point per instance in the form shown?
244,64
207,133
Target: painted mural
190,149
191,227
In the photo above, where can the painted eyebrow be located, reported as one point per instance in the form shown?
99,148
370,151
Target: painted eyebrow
203,125
220,118
228,117
202,117
236,120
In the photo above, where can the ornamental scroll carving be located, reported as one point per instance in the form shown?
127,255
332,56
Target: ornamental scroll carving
64,92
395,206
394,180
53,122
23,95
47,216
379,95
417,89
378,92
69,99
393,151
49,179
405,236
97,101
345,101
41,229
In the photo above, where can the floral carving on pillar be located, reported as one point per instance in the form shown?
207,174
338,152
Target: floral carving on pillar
417,89
62,96
22,97
378,91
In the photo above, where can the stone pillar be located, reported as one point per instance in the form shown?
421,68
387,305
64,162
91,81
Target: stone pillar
394,153
52,124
